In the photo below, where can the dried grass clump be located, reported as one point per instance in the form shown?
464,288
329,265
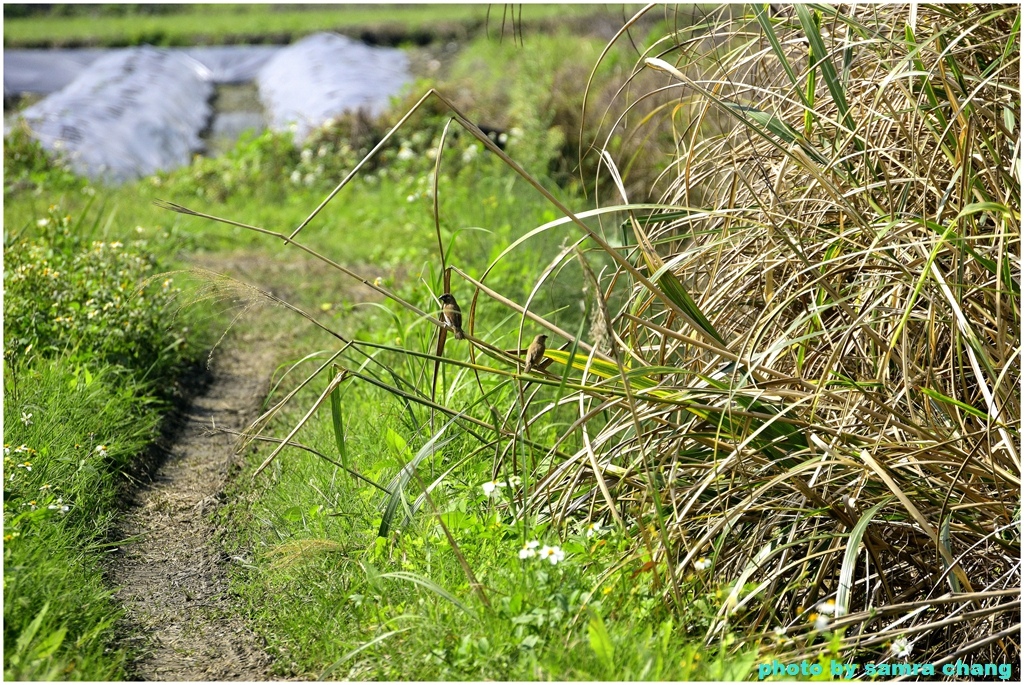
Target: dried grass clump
842,224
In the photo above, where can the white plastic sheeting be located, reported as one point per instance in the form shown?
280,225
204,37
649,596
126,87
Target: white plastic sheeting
47,71
131,113
324,75
233,63
127,113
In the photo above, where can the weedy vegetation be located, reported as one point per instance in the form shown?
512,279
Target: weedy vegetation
93,342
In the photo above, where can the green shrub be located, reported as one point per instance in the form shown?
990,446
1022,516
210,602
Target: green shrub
255,167
29,167
90,299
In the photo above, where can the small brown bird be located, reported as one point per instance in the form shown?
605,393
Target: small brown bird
535,352
452,315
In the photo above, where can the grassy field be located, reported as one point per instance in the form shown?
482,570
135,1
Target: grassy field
233,23
778,412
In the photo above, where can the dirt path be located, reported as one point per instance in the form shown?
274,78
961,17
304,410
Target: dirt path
172,576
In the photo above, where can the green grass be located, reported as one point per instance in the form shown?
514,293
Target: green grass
69,433
215,24
90,356
351,605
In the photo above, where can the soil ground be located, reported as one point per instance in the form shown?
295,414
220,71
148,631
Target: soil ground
171,576
171,573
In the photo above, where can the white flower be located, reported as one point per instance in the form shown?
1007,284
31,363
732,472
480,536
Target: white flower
410,198
702,564
828,608
820,621
594,529
306,155
502,138
901,647
552,554
469,154
26,418
779,631
490,488
529,549
101,450
42,223
406,153
296,177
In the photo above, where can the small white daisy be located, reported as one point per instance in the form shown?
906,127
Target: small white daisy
554,554
529,550
901,647
490,488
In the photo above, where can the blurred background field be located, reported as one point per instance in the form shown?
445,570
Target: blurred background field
122,25
781,415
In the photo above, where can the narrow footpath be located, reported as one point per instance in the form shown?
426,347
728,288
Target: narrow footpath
171,576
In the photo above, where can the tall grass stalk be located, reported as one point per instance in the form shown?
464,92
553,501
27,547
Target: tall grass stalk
847,204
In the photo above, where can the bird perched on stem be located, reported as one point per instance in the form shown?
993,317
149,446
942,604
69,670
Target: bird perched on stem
535,352
452,315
